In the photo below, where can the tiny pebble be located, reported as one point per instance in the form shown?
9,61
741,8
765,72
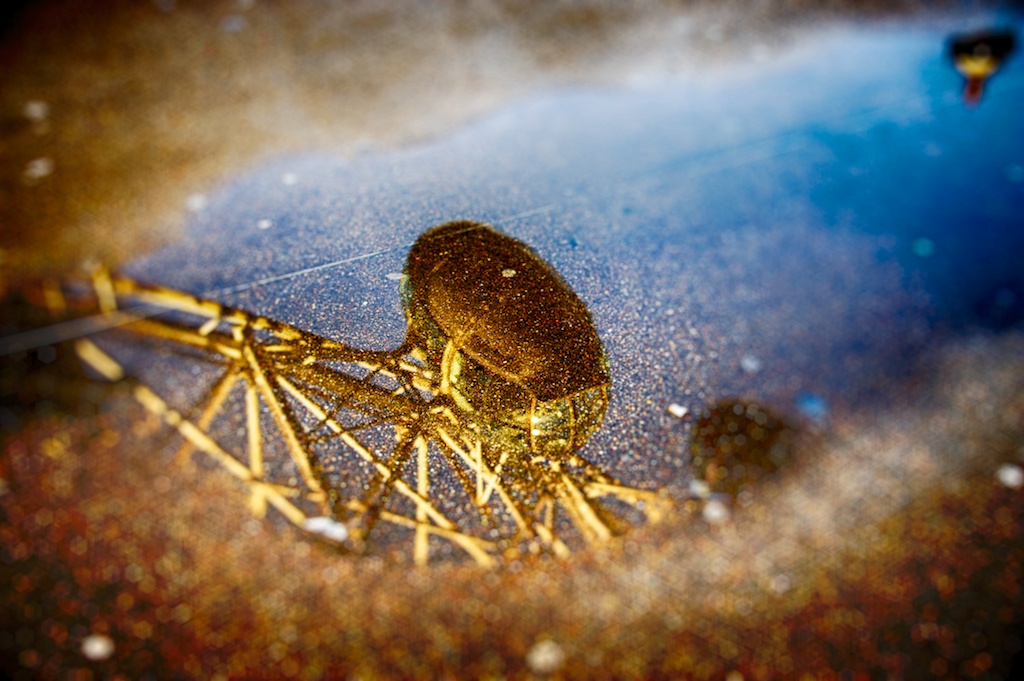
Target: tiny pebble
678,410
700,489
38,168
750,364
715,512
545,657
327,528
36,110
97,647
1010,475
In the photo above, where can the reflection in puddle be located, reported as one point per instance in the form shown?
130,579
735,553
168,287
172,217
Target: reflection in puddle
978,57
736,445
464,437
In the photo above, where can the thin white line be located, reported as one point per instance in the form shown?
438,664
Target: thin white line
297,273
525,214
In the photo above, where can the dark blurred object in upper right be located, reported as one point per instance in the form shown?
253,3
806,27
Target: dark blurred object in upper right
977,56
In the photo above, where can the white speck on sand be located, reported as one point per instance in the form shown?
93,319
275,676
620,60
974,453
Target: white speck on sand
678,410
327,528
36,110
700,489
508,273
97,647
750,364
716,512
545,657
1010,475
38,168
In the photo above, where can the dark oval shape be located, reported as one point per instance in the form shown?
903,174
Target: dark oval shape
735,445
514,345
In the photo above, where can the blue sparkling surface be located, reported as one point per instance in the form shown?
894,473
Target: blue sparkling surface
826,213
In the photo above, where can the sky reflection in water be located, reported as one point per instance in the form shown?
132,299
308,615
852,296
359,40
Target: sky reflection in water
821,214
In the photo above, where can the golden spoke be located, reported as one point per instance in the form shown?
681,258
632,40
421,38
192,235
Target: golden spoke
583,514
194,434
258,501
222,345
491,478
654,505
284,424
479,549
218,395
421,548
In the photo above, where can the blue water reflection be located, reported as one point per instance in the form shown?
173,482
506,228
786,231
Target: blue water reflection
827,212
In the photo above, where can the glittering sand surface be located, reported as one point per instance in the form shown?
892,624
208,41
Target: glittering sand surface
769,207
